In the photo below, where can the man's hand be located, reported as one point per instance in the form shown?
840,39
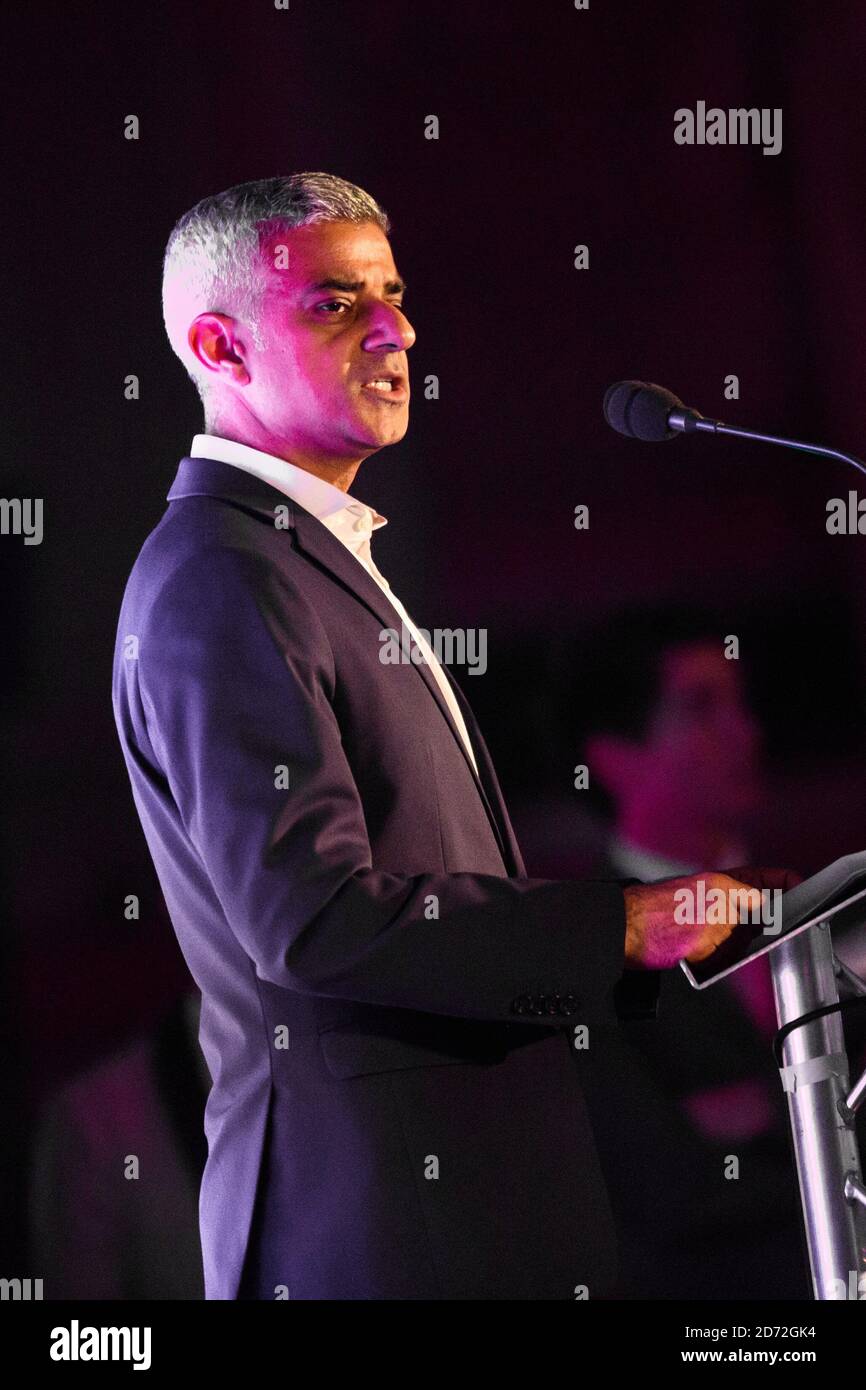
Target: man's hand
656,940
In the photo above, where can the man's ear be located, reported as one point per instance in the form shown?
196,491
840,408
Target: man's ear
611,760
215,342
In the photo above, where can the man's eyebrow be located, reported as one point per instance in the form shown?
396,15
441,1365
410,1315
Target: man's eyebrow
332,283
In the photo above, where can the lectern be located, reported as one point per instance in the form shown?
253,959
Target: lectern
809,1048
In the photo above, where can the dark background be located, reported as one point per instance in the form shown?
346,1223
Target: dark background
556,128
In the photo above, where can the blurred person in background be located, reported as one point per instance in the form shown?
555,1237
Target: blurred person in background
97,1232
673,750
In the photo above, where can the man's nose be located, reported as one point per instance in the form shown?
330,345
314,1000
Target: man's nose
389,330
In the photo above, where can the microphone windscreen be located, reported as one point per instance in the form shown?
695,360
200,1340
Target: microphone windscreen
640,409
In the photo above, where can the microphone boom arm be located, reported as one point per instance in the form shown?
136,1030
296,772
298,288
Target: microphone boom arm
691,422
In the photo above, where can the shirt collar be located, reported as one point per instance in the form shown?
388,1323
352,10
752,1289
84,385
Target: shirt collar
350,520
628,859
633,862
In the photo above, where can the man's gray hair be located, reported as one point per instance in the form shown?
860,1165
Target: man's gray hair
213,256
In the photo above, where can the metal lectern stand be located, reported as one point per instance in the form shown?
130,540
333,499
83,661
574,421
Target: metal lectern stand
821,1107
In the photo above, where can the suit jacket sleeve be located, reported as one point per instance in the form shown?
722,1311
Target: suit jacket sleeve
636,993
236,680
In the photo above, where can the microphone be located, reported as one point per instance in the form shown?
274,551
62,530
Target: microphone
642,410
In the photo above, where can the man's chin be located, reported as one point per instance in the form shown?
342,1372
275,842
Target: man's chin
379,436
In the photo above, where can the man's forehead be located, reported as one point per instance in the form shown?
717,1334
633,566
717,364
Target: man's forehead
329,254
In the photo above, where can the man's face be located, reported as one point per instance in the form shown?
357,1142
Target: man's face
331,322
703,742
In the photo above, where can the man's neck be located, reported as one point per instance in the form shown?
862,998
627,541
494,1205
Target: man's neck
339,472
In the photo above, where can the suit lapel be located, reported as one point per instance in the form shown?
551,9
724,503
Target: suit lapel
323,548
213,478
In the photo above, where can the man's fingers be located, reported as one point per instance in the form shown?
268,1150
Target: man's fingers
749,899
692,916
708,940
766,878
694,957
743,900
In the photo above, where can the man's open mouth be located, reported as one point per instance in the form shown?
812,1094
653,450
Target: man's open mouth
390,388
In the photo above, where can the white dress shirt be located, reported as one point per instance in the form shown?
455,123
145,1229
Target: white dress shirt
630,861
351,521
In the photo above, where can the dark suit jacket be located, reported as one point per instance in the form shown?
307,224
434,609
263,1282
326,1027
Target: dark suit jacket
387,999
